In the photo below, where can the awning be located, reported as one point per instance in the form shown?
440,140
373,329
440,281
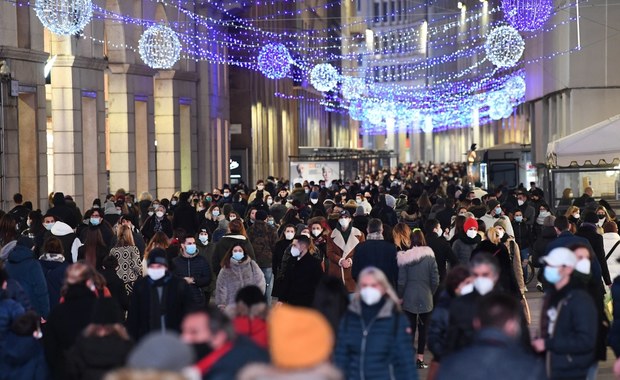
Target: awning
598,145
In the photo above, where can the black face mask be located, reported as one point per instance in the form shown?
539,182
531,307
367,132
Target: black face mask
202,350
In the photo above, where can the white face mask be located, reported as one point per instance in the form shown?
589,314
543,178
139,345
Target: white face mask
520,202
150,213
317,232
483,285
583,266
439,232
472,233
260,187
269,202
314,200
500,233
289,235
344,222
156,273
466,289
215,213
159,214
370,296
577,216
295,252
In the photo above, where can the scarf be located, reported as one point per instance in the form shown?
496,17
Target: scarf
375,236
56,257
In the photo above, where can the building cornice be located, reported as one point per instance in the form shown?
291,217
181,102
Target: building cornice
21,54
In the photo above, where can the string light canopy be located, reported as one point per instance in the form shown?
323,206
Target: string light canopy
274,61
527,15
504,46
159,47
324,77
64,17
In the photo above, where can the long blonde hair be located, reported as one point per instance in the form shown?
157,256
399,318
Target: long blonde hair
492,235
124,237
380,277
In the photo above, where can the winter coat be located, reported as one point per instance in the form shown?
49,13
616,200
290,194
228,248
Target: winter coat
250,321
515,256
609,240
242,352
539,249
614,332
149,227
300,280
324,371
493,355
117,288
380,349
438,326
69,240
63,211
571,340
523,235
463,246
376,253
589,232
9,311
130,265
92,357
54,272
25,360
444,254
418,279
147,306
25,269
66,321
185,217
198,268
225,244
237,276
338,249
507,278
263,239
277,264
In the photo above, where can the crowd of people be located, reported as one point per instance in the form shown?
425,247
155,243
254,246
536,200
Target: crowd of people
343,280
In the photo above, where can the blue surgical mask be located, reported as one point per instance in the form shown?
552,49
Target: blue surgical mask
190,249
498,210
238,256
552,274
203,238
95,221
270,222
518,219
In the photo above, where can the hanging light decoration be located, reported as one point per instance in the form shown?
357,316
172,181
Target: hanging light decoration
515,87
527,15
64,17
499,105
324,77
353,87
356,111
274,61
373,111
159,47
504,46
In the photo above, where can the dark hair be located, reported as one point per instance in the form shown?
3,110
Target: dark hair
454,278
36,220
561,223
94,239
4,276
217,321
430,225
496,309
484,258
18,198
331,299
225,263
26,324
303,239
109,262
417,238
53,245
375,225
8,231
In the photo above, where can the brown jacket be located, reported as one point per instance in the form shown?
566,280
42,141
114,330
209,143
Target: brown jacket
338,249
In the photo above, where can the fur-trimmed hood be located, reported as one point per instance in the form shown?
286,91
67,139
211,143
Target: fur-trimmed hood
414,254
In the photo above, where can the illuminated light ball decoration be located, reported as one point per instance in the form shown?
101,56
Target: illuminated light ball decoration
353,87
527,15
499,105
274,61
356,110
428,125
373,111
324,77
159,47
64,17
515,87
504,46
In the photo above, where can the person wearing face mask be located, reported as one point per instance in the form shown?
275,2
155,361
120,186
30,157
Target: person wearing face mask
238,270
514,253
523,205
260,187
589,231
497,327
466,241
341,250
194,269
263,239
301,275
574,216
156,223
374,339
316,208
442,250
159,301
568,323
603,216
236,234
495,212
458,282
376,252
226,197
319,233
281,249
212,218
523,237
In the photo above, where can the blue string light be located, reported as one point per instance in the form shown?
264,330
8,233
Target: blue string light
64,17
504,46
324,77
527,15
274,61
159,47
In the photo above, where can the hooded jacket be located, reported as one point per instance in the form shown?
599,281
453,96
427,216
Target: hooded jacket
70,243
418,279
54,272
24,361
25,269
63,211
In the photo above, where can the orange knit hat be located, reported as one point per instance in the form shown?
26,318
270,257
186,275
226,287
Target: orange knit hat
299,337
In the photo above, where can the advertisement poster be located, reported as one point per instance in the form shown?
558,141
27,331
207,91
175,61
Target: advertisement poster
316,171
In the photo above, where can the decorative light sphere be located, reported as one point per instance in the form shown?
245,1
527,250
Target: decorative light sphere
159,47
515,87
324,77
64,17
499,105
274,61
356,111
527,15
373,112
504,46
353,87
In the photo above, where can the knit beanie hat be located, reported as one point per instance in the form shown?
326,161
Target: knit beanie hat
157,256
164,352
500,223
299,337
469,223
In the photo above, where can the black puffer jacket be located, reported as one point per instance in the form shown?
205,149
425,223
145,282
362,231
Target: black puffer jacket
198,268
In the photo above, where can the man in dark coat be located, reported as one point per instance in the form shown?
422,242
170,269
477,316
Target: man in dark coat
375,252
62,211
495,352
587,230
440,246
185,215
565,237
301,276
193,269
159,301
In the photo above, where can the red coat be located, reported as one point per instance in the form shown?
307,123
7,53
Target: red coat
254,328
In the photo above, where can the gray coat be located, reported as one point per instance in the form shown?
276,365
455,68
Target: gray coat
418,279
